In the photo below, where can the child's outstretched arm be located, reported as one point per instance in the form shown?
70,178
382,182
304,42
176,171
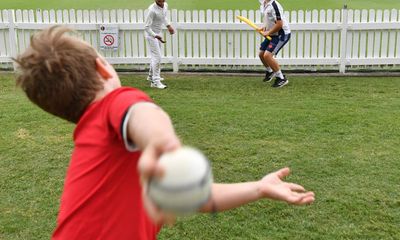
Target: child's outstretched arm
151,129
272,186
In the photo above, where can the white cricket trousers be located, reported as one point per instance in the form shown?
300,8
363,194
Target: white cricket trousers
155,53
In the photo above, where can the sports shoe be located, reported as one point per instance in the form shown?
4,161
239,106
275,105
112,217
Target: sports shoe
280,82
268,76
157,84
149,78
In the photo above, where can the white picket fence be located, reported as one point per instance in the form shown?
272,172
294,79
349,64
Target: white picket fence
339,38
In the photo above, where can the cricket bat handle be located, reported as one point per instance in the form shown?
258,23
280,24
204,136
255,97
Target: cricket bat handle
267,37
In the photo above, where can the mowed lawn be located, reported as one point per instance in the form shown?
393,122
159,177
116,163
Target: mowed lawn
340,136
197,4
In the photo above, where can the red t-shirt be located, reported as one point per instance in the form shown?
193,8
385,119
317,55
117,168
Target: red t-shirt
102,192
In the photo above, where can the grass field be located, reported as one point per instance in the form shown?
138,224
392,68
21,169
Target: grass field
197,4
340,136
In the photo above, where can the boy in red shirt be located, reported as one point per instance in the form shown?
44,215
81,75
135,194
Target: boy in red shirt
120,133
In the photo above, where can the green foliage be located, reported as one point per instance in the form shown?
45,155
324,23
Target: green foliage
340,137
196,4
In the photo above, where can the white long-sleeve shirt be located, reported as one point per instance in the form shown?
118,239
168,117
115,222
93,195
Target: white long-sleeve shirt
273,11
156,18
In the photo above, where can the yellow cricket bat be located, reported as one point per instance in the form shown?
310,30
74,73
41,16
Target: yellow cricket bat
251,24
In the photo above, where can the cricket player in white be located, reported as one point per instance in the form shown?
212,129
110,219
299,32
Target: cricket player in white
156,18
276,26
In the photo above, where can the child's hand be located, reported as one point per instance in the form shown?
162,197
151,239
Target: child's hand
156,215
261,29
148,168
265,33
272,186
171,30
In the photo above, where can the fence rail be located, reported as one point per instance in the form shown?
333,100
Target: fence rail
340,38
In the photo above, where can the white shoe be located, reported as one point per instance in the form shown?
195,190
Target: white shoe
149,78
157,84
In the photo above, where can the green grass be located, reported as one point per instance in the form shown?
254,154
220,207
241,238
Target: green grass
340,136
196,4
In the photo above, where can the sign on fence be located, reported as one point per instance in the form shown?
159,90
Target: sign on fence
109,37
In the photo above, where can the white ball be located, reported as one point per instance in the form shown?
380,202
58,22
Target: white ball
186,183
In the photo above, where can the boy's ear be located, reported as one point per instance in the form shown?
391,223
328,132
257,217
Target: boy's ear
102,69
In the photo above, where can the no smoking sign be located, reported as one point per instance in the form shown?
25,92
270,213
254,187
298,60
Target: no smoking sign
108,37
108,40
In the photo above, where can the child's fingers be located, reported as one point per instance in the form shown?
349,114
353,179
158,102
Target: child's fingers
301,198
169,219
157,215
307,199
282,173
296,187
172,145
148,164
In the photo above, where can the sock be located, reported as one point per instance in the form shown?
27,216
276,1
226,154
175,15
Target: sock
269,70
279,74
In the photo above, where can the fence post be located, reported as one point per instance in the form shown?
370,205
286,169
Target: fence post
343,40
175,57
12,35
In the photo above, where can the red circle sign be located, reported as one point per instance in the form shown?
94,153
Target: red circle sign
108,40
